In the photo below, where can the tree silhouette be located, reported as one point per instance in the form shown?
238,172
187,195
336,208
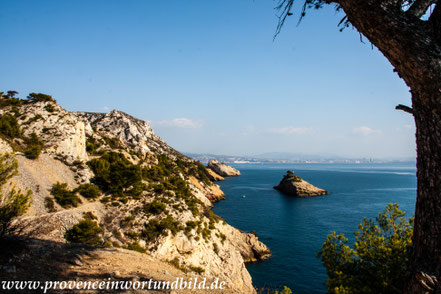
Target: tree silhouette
408,34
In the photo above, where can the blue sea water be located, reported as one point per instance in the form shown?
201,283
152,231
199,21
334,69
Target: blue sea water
295,228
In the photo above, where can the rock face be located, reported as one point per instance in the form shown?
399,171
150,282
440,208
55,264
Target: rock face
195,239
134,133
222,169
214,176
62,132
296,186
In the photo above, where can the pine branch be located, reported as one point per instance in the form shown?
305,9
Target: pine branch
419,7
404,108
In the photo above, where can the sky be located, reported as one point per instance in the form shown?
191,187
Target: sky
209,76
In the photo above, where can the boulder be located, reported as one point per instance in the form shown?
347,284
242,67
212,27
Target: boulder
222,169
295,186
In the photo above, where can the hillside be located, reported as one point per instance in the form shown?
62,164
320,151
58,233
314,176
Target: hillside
111,170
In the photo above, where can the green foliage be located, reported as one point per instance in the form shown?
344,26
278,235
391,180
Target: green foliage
34,145
50,204
64,196
197,269
215,248
114,173
190,225
87,231
285,290
9,99
162,170
49,108
136,247
175,262
32,152
292,177
40,97
13,203
155,207
89,191
200,172
113,143
92,146
9,127
154,228
378,259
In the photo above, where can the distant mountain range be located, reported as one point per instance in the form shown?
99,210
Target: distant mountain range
287,157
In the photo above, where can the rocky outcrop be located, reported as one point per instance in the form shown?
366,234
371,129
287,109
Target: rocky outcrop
214,176
222,169
62,133
135,134
194,238
295,186
213,192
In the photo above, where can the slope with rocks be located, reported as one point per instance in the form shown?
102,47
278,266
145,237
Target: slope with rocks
151,198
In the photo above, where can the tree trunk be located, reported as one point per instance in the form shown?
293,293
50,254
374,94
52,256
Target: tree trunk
424,273
413,47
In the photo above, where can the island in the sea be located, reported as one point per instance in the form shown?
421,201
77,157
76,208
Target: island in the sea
295,186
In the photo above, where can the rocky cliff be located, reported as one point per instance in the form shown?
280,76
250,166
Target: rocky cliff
223,169
146,196
295,186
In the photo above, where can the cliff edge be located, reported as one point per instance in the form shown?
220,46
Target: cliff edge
114,171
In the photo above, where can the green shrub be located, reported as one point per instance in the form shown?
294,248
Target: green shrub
215,248
32,152
285,290
154,228
87,231
89,191
13,203
9,126
175,262
64,196
32,119
190,225
50,204
136,247
114,173
34,146
40,97
155,207
49,108
196,269
378,260
92,145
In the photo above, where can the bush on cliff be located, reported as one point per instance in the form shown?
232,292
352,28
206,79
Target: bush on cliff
13,203
34,146
40,97
64,196
377,262
87,231
154,228
32,152
9,127
114,173
89,191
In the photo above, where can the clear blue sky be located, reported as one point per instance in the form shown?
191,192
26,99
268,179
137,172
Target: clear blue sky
208,75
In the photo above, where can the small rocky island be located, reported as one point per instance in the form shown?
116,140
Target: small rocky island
222,169
295,186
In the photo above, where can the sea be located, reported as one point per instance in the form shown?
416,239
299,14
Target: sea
295,228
